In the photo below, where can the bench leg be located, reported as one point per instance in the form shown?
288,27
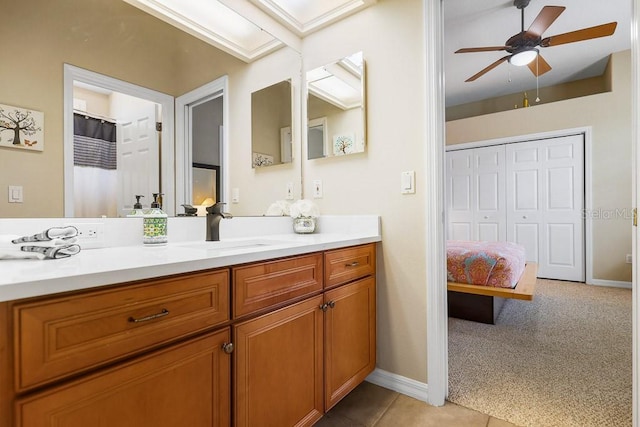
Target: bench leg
477,308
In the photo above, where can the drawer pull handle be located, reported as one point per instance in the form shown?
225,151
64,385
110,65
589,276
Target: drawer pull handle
163,313
227,347
353,264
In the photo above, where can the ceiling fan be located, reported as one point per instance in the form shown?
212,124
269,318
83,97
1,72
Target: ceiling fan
524,47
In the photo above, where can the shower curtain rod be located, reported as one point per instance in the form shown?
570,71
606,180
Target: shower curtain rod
94,116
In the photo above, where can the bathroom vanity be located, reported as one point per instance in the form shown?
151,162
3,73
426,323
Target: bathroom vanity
275,337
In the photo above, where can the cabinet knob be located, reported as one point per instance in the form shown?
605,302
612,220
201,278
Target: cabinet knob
524,217
324,307
331,304
227,347
486,217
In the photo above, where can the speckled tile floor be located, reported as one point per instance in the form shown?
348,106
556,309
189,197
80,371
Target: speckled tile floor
370,405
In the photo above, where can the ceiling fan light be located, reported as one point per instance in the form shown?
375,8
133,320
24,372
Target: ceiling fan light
523,58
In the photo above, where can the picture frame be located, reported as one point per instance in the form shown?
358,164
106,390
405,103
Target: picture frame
21,128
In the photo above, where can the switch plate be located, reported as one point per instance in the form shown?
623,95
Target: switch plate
629,259
235,195
15,194
289,193
408,182
317,189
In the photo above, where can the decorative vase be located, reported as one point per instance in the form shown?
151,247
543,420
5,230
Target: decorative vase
304,225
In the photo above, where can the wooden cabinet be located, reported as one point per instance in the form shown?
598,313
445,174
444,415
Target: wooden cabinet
278,367
293,364
350,338
185,385
274,343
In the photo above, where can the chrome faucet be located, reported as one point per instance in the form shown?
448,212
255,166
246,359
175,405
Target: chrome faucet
214,216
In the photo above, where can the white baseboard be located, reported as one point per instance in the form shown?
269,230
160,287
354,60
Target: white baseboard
404,385
610,283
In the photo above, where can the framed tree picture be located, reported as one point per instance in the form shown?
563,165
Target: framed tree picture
21,128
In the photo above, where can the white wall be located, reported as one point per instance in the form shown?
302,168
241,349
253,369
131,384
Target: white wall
259,187
609,115
390,36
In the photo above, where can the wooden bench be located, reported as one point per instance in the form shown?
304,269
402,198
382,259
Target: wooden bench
483,303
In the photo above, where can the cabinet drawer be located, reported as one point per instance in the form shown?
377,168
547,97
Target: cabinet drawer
345,265
61,336
183,385
265,284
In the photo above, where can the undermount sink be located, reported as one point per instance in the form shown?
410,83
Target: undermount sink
223,245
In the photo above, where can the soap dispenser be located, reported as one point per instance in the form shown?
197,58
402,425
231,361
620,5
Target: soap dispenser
137,208
155,224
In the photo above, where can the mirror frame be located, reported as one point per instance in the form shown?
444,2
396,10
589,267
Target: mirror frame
167,172
183,153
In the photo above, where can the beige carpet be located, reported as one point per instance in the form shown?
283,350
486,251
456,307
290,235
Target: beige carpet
561,360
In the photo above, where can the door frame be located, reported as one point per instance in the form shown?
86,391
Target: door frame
184,158
587,132
437,331
73,73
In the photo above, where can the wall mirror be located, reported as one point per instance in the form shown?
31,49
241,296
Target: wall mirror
336,108
271,118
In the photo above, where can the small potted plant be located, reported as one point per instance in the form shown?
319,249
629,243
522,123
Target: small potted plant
304,213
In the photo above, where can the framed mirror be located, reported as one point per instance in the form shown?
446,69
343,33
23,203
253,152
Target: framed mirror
271,119
336,108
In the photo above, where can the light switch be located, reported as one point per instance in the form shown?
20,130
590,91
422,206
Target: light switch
317,189
235,195
408,182
289,195
15,194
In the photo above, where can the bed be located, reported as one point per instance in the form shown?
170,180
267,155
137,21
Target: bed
482,275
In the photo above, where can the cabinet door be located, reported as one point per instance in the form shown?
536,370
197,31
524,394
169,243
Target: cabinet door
350,338
278,367
185,385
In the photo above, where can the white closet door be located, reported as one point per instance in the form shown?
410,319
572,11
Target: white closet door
490,209
460,195
475,194
545,194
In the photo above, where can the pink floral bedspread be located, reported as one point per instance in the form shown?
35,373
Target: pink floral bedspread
498,264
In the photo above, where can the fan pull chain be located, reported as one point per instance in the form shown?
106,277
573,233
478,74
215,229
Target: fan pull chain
537,77
509,75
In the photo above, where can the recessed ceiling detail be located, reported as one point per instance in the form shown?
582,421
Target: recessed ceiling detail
214,23
305,16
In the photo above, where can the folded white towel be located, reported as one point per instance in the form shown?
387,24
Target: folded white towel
50,249
63,233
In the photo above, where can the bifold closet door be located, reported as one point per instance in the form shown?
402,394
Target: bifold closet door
475,192
545,200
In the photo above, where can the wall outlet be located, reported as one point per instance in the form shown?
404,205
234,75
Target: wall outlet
629,259
317,189
90,235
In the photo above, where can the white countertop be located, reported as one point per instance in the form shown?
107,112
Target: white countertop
98,267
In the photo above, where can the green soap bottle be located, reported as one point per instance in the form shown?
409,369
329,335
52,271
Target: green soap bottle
155,224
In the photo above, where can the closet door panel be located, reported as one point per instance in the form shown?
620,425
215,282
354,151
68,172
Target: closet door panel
490,209
460,195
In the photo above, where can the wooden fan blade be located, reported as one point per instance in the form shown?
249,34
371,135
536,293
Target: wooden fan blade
489,68
540,68
545,18
481,49
580,35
